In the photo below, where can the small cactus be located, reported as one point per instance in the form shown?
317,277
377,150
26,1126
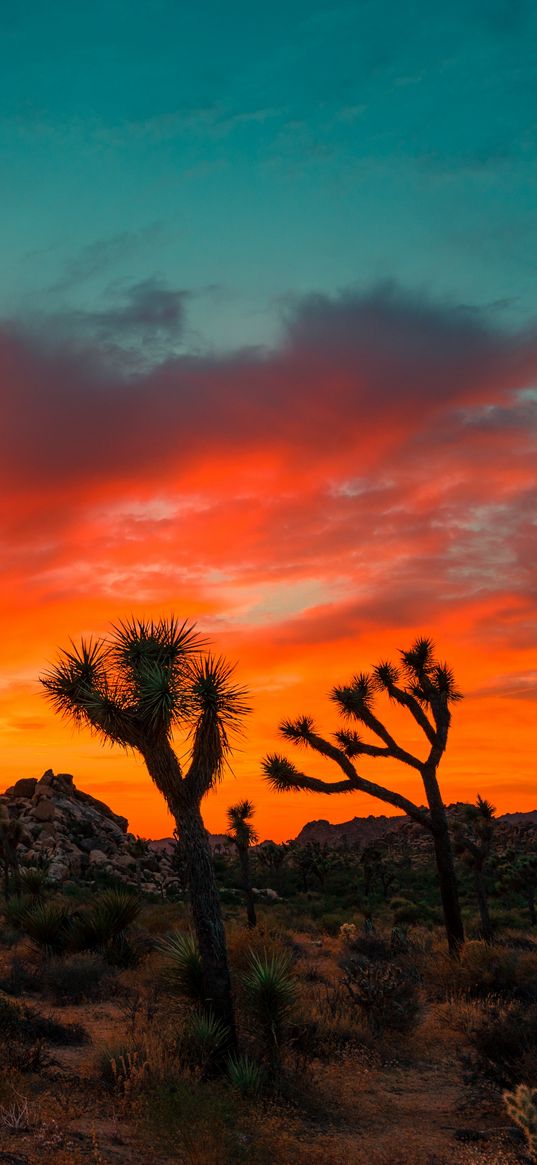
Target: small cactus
522,1108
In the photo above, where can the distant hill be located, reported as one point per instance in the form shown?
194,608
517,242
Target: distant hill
359,831
362,831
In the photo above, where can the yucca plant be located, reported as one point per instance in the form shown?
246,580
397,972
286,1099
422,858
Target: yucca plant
426,689
33,881
245,1074
135,689
204,1039
106,919
183,971
271,990
48,924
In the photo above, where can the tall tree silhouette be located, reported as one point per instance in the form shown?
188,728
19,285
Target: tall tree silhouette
134,689
242,834
425,688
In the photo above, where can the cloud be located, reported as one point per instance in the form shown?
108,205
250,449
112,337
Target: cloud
101,255
145,318
353,378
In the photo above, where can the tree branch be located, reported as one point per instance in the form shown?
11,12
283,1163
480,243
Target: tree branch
408,701
283,775
393,749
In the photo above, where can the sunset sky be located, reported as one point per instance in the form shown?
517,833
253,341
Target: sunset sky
268,360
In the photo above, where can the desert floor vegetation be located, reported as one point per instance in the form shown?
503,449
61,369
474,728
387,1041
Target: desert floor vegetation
360,1042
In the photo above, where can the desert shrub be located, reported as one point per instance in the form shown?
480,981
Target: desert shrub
330,924
182,973
367,945
203,1123
485,970
18,1021
105,920
47,923
76,979
406,913
126,951
505,1040
21,977
387,994
264,940
245,1074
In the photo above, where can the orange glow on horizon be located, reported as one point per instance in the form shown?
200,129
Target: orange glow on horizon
312,508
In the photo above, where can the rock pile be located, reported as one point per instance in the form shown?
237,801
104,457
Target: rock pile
80,836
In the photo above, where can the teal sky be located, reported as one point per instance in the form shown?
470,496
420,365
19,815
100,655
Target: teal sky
247,154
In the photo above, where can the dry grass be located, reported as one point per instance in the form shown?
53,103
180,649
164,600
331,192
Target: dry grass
346,1097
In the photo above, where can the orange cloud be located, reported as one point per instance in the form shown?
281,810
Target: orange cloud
312,507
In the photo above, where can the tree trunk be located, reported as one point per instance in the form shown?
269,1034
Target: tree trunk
208,923
487,930
165,771
244,859
445,865
449,892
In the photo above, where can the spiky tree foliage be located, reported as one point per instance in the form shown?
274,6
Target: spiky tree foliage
146,681
183,971
474,840
425,688
242,834
272,992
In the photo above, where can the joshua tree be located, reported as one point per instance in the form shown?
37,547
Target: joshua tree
133,689
242,835
519,873
473,840
273,858
425,688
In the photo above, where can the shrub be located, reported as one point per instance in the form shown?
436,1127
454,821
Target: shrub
183,972
505,1039
76,979
21,978
485,970
105,920
48,924
387,995
18,1021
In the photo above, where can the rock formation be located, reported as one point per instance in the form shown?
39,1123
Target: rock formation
79,836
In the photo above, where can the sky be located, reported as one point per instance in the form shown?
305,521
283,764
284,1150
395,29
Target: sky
268,360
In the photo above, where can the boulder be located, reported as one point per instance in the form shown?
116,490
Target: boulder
44,810
97,858
25,787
